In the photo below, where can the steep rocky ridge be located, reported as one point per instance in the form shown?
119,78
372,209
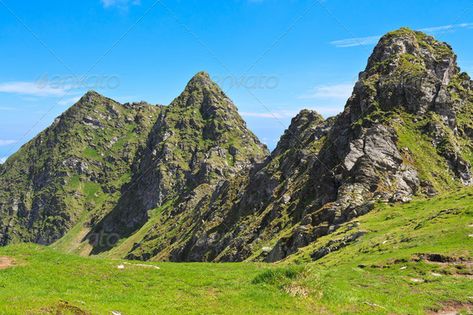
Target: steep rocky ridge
405,131
226,218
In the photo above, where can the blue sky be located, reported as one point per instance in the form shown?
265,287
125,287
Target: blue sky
272,57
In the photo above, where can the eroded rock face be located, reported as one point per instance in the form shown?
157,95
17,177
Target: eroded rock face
409,77
245,210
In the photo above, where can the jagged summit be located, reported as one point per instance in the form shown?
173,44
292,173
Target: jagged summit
93,93
75,166
410,71
93,97
200,81
406,41
302,126
89,104
202,92
308,114
202,78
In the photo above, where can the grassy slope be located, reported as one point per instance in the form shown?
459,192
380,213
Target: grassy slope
45,278
378,273
374,275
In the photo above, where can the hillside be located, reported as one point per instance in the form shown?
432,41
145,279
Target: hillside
76,166
415,253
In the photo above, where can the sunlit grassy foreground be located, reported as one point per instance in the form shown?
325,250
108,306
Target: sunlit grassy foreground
386,271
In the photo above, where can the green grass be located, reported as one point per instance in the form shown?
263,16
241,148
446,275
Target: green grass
44,279
377,274
374,275
124,246
424,157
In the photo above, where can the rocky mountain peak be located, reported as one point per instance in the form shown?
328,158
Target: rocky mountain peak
418,48
307,114
408,71
198,141
203,93
305,126
201,78
91,97
92,93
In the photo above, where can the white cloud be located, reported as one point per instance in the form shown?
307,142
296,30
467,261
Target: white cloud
3,159
325,111
335,92
443,28
31,89
6,142
69,101
357,41
372,40
278,114
119,3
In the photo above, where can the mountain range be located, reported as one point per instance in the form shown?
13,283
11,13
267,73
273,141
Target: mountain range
190,182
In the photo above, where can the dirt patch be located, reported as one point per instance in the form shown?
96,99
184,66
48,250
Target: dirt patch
442,259
66,308
436,258
453,308
63,308
6,262
296,290
214,293
448,265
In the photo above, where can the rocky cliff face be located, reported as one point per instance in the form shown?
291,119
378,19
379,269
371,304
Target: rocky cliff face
400,135
197,185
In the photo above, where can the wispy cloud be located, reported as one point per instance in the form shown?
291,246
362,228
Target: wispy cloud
334,92
31,89
357,41
444,28
277,114
4,142
123,4
6,108
371,40
69,101
288,114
